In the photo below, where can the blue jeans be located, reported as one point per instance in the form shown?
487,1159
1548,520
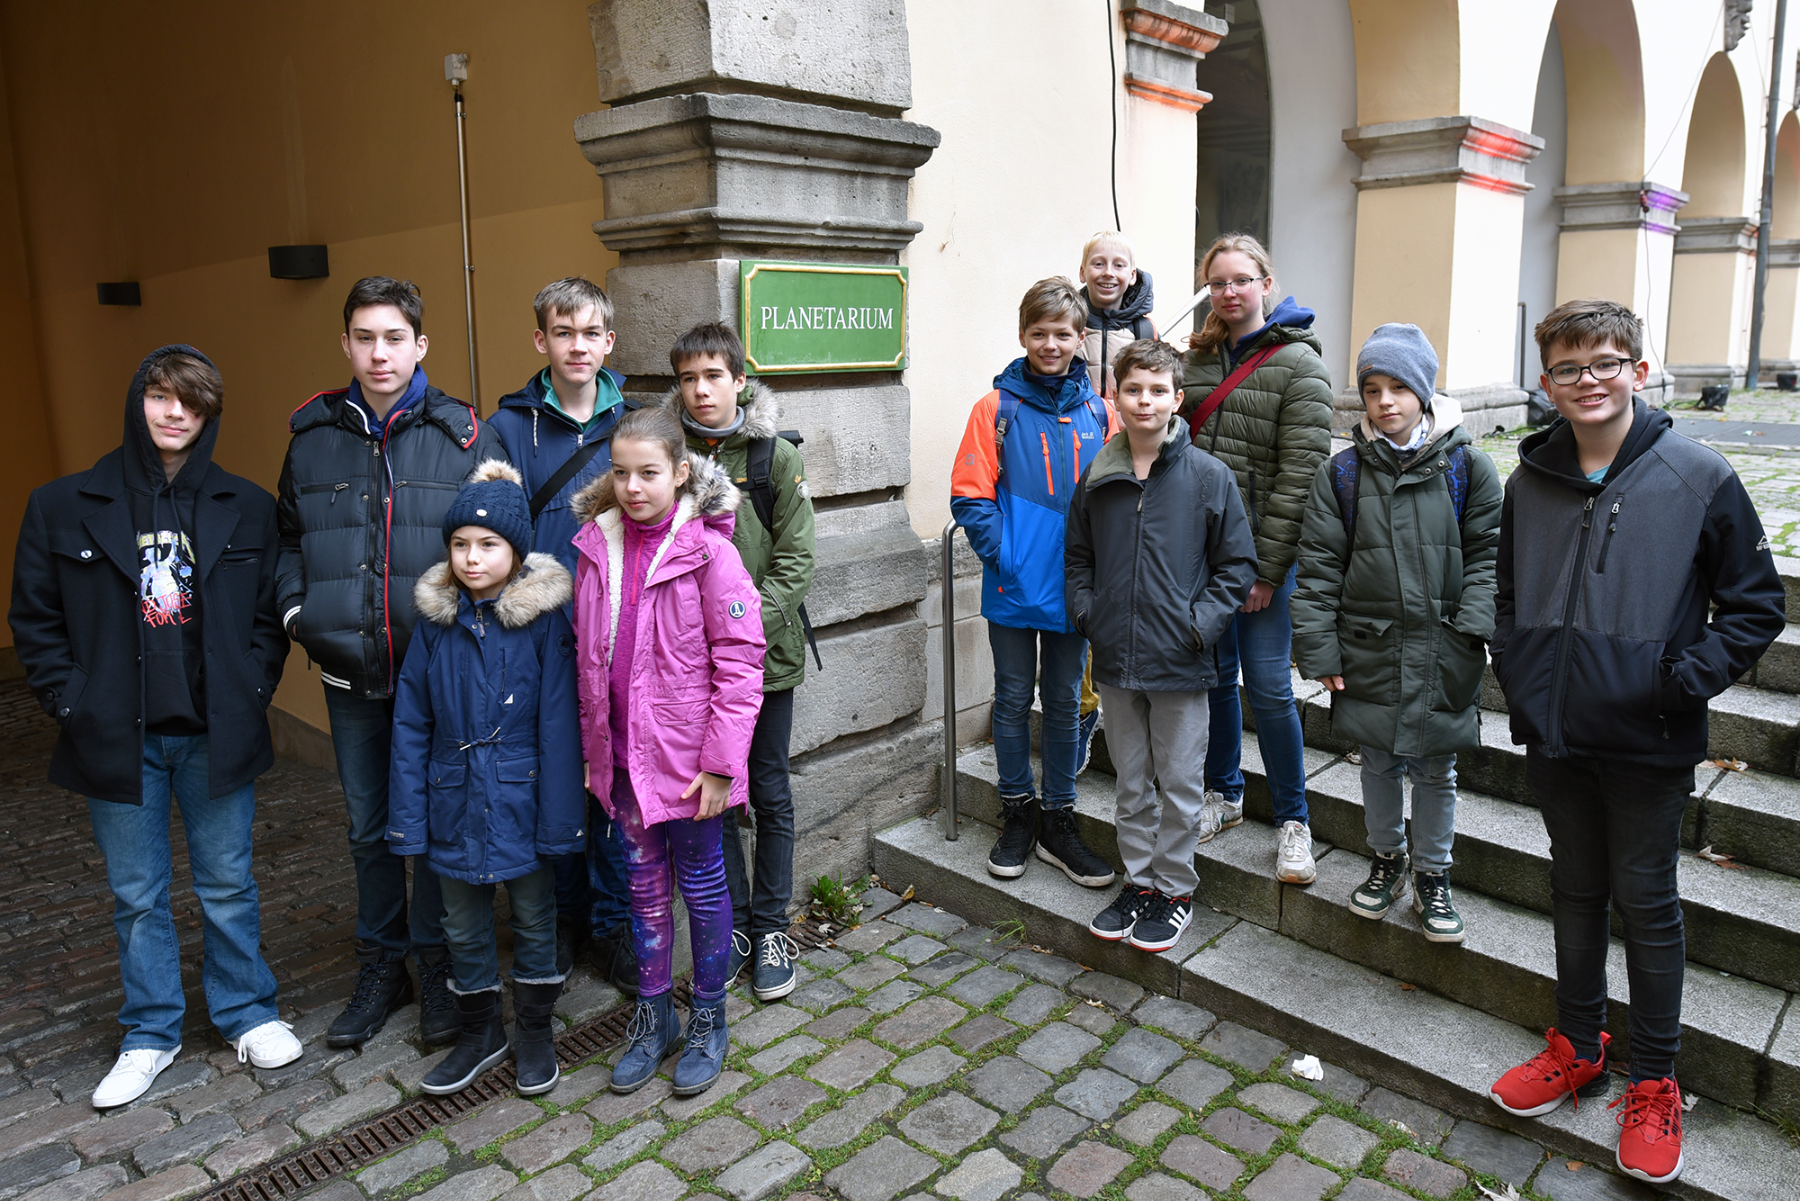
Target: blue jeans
1263,644
594,889
1615,834
240,989
1433,806
362,735
469,930
1052,665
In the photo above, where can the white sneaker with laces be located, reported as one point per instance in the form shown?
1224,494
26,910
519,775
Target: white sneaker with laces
1211,820
132,1076
270,1045
1231,813
1293,858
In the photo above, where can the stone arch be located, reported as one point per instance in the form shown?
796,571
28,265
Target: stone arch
1605,98
1786,223
1713,170
1422,33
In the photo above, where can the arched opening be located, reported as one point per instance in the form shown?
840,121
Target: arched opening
1786,219
1713,171
1542,232
1605,98
1231,180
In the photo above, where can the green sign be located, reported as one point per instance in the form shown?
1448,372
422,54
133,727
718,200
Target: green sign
823,317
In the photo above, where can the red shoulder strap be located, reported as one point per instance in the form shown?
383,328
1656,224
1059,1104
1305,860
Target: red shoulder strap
1217,396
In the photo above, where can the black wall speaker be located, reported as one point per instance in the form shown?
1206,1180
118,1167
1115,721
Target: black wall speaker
298,262
123,293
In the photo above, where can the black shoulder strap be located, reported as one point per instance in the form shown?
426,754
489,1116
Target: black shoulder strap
762,497
584,454
1142,328
1346,473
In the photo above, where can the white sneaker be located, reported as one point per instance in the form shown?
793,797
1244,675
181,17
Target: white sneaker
270,1045
132,1076
1293,858
1209,825
1231,813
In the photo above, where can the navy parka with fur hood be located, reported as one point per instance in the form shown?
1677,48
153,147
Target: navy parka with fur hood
486,770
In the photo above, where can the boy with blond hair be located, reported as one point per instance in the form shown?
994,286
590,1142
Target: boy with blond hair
1119,298
1025,446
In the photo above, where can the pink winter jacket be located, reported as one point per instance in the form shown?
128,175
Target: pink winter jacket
696,672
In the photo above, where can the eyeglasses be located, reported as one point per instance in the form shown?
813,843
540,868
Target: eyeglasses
1601,369
1242,283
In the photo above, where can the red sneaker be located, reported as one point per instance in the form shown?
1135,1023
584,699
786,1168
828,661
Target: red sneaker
1547,1079
1650,1143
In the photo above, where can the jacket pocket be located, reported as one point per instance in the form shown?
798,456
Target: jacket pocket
1612,698
1460,659
446,801
68,701
1371,654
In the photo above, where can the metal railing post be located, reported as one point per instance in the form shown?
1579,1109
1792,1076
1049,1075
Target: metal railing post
949,636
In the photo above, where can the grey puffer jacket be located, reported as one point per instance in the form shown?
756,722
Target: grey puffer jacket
1403,615
1273,431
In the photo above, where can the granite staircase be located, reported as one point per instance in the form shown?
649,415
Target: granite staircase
1436,1021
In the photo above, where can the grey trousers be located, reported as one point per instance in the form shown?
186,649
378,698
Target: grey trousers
1158,738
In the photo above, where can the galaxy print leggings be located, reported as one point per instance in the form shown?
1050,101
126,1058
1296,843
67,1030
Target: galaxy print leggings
657,858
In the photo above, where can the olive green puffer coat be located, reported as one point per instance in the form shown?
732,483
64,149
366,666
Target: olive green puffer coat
1273,431
1404,616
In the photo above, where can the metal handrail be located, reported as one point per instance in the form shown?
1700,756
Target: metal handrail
949,637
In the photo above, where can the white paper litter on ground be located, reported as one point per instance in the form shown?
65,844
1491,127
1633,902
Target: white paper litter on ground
1307,1068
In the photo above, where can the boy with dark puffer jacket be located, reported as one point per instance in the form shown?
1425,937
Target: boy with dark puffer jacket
1635,584
558,429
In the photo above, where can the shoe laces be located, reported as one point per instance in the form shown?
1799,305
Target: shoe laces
700,1027
740,942
1434,898
139,1060
1156,908
370,981
259,1037
1296,840
1661,1111
778,950
434,984
1063,819
1132,899
642,1027
1552,1062
1385,871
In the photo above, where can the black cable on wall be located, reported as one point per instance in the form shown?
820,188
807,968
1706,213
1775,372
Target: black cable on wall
1113,103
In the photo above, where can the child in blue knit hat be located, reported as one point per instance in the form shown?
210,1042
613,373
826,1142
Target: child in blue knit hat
486,773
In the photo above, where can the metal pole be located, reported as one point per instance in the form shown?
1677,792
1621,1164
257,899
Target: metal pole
1191,305
1753,372
949,787
462,181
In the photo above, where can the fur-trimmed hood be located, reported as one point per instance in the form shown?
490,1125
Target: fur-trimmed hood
760,404
1443,411
708,493
544,585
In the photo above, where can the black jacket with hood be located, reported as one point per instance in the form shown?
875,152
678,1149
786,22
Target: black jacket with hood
362,513
79,628
1157,567
1602,642
1110,331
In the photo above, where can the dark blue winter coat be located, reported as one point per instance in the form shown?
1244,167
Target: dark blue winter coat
539,439
486,770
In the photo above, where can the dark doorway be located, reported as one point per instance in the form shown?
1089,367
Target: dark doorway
1231,190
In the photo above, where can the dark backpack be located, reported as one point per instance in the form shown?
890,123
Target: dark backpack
762,498
1346,474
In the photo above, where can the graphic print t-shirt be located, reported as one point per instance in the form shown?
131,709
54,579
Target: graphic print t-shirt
168,606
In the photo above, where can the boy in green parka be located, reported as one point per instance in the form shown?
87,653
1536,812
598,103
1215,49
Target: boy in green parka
1393,609
726,419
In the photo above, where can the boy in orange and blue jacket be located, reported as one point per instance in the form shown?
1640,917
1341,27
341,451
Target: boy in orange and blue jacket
1024,449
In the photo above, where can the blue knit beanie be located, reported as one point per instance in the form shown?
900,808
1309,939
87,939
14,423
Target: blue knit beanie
1404,352
494,499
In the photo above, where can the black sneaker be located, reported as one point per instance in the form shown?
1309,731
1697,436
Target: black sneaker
440,1020
774,974
1084,739
570,934
1161,922
1018,834
1060,845
614,958
382,986
1115,921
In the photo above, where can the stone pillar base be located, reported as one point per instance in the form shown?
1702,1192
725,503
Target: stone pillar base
1686,379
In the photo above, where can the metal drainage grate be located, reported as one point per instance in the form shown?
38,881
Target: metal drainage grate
382,1135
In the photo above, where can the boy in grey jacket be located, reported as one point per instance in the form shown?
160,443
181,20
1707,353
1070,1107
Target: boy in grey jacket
1159,557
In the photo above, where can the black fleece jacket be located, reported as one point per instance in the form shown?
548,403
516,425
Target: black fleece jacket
1603,644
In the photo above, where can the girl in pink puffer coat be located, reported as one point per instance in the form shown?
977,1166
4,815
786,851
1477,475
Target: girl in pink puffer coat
669,654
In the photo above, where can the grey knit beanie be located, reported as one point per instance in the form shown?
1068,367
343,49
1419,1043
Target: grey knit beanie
1404,352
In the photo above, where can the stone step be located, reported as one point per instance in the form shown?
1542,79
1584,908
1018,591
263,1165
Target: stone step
1412,1040
1744,921
1779,668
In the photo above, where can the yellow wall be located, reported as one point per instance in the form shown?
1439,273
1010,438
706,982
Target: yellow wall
1710,321
173,144
1408,61
1405,243
1605,94
1713,170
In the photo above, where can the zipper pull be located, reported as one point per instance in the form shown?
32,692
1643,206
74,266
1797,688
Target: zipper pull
1587,513
335,489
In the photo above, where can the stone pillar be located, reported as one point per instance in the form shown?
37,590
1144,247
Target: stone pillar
1709,302
1164,44
1781,323
1617,243
1439,220
770,130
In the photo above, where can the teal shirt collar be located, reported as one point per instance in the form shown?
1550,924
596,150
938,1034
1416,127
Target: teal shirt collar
605,400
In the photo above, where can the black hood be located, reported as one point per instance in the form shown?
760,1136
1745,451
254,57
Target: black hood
143,462
1552,451
1137,302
